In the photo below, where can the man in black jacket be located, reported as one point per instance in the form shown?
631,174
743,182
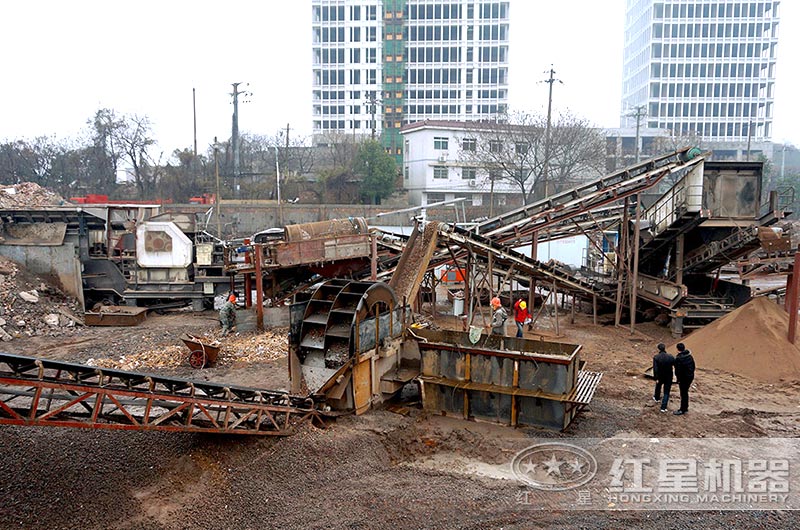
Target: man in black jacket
662,371
684,371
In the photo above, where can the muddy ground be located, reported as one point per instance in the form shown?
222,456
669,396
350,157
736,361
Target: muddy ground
380,470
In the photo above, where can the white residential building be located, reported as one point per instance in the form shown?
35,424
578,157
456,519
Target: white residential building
415,59
702,68
437,166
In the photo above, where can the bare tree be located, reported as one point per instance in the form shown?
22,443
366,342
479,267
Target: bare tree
336,167
513,149
133,135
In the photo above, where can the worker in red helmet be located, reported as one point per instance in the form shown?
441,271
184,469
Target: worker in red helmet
499,317
227,315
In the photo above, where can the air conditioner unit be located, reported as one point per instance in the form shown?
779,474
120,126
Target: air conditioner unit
443,157
472,183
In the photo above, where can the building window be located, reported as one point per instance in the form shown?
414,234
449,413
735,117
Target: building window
440,142
469,144
440,172
468,173
522,148
434,197
495,146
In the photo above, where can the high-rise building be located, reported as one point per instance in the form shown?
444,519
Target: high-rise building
702,68
380,64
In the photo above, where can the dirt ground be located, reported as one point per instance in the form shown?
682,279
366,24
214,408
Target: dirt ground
379,470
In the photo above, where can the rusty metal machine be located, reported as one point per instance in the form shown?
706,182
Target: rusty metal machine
297,256
346,344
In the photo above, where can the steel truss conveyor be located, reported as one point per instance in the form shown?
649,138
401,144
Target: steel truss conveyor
41,392
498,235
517,226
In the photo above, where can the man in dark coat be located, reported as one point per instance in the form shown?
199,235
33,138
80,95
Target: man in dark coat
662,371
684,372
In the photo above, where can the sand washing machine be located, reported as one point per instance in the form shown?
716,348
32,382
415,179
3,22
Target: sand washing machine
346,343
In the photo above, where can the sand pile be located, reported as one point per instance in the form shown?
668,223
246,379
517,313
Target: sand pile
750,341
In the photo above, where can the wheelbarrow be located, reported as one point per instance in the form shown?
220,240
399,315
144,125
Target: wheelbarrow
201,354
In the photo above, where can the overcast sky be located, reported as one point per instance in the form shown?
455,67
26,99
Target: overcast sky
63,60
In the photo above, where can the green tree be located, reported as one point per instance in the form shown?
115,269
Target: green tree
377,170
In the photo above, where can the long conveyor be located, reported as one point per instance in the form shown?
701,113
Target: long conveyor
42,392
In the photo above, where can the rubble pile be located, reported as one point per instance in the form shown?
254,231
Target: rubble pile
29,195
170,356
237,349
29,306
252,347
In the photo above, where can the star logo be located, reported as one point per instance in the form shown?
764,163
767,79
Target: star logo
529,467
577,466
553,466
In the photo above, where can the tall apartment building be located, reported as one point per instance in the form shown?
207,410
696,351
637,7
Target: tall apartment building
703,68
405,61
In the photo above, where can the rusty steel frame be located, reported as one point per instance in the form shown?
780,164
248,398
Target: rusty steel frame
40,392
590,196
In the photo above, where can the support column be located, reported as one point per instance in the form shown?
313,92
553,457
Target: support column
679,259
793,301
555,306
259,289
635,258
621,246
374,258
248,280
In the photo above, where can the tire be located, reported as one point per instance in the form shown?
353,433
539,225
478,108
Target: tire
198,359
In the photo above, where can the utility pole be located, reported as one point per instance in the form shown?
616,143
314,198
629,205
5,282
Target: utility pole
491,195
372,101
235,136
194,117
638,112
783,162
286,152
278,187
217,196
546,168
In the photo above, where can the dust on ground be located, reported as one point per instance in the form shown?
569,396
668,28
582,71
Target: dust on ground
378,470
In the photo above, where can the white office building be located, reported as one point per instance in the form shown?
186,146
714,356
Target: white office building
407,60
703,68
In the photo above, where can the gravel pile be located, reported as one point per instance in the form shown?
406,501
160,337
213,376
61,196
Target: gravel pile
29,306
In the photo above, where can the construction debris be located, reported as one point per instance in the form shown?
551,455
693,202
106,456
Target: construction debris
237,349
29,195
29,306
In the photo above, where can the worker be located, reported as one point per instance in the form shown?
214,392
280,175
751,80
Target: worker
684,373
663,362
499,317
521,315
227,315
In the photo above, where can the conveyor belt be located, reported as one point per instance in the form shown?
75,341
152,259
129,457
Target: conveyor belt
42,392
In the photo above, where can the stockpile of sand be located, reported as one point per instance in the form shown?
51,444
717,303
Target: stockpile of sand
750,341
